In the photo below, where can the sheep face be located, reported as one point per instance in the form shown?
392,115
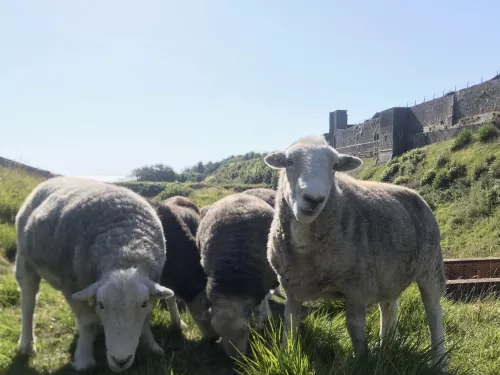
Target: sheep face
310,167
122,303
230,319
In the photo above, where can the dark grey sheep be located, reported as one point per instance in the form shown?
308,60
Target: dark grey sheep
182,271
233,255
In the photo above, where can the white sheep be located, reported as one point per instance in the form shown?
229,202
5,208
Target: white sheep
96,243
364,242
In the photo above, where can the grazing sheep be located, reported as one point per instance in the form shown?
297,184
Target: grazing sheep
204,210
269,195
182,271
336,237
239,277
103,247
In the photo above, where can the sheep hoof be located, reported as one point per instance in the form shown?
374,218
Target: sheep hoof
83,364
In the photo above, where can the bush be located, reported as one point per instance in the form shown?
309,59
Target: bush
494,170
478,170
8,241
428,177
490,159
456,171
463,139
145,189
442,160
400,180
486,133
441,180
389,172
174,189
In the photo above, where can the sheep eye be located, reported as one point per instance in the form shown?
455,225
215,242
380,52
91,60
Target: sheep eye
289,162
101,305
144,304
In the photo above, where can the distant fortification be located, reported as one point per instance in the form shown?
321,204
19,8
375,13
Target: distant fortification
396,130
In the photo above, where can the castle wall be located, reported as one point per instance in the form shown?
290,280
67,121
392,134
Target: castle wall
398,130
478,99
434,111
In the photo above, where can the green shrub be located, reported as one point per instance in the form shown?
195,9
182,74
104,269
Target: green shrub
400,180
145,189
174,189
442,160
389,172
428,177
441,180
490,159
8,241
463,139
486,133
494,170
478,170
456,171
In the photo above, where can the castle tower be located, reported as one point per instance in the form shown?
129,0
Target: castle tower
338,120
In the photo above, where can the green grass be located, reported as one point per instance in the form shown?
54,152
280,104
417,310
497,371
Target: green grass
468,214
460,179
206,196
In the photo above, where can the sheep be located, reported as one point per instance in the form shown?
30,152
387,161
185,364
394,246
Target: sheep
103,247
363,242
269,195
204,210
182,271
239,276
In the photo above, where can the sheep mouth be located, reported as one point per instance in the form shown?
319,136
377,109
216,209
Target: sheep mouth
308,212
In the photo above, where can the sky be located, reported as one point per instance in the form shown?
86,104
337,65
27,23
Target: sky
98,88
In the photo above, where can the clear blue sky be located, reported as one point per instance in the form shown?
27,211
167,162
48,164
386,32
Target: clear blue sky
101,87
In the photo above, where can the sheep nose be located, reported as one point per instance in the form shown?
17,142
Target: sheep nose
313,202
121,362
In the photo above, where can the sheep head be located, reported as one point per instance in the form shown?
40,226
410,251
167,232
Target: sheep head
122,303
309,165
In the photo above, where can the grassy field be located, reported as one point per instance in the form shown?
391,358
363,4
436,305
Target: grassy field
472,330
462,186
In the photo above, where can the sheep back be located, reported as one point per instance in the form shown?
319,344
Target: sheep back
268,195
75,230
232,240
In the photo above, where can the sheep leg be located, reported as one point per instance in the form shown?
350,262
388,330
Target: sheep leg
388,316
87,324
264,311
29,285
292,316
356,326
148,338
431,298
175,316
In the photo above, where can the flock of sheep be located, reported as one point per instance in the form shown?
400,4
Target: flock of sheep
322,234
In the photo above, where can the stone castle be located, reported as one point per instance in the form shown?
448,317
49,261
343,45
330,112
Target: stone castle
391,132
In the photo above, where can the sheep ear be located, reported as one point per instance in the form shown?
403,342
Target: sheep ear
158,291
347,163
276,160
89,292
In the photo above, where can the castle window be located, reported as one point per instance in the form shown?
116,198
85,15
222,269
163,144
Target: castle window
376,137
385,138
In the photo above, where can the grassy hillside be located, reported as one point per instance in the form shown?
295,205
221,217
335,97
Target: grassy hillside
472,330
460,179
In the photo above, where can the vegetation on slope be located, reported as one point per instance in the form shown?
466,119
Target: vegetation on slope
15,185
243,169
460,179
472,331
